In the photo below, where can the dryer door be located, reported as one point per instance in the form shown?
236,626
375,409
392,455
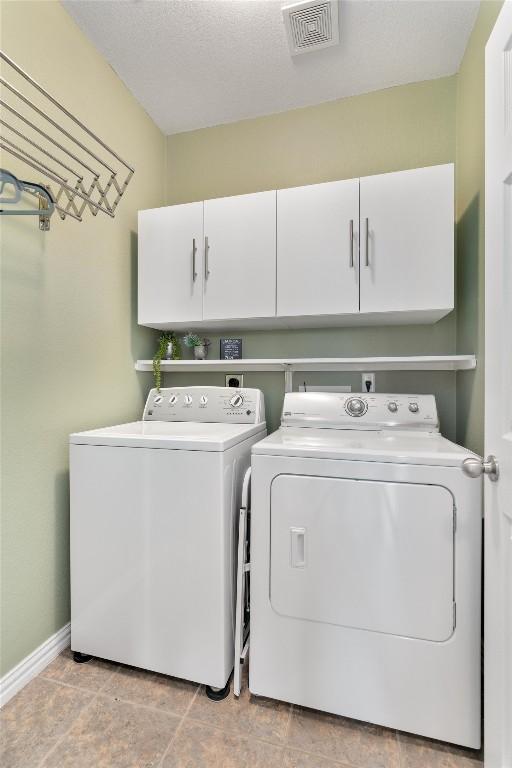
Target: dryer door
372,555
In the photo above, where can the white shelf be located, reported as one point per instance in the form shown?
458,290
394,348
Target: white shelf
421,363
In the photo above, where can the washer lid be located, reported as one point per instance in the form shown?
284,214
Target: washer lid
353,445
177,435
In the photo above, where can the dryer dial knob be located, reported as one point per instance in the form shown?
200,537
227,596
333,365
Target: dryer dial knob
236,401
203,399
414,407
173,399
158,399
393,407
356,407
188,399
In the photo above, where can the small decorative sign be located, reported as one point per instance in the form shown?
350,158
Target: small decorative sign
230,349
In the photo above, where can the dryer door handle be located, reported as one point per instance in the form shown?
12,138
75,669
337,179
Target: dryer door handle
298,547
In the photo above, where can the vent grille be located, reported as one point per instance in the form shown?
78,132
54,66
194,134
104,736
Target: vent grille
311,25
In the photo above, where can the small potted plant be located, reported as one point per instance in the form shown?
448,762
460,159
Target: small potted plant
169,348
198,344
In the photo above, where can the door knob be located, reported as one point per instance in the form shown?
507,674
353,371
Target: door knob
477,467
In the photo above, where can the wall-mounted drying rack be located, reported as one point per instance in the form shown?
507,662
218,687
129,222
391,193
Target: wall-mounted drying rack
78,169
289,366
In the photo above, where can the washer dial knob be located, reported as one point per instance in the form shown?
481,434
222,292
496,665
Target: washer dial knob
236,401
414,407
203,399
158,399
173,399
188,399
393,407
356,407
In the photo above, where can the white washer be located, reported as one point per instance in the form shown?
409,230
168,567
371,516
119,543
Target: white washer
154,506
365,565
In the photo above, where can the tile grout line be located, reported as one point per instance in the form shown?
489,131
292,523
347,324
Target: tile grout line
80,687
175,734
68,731
84,709
235,732
333,760
399,748
340,763
288,725
68,685
122,700
159,710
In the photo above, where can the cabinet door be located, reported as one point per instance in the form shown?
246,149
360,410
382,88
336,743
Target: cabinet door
240,256
317,249
407,240
171,264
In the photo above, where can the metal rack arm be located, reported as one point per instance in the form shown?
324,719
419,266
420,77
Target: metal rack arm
48,137
40,112
41,149
54,101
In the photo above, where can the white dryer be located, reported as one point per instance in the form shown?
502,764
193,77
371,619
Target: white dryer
366,565
154,513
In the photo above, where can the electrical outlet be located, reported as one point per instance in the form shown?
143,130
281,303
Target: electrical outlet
368,382
235,380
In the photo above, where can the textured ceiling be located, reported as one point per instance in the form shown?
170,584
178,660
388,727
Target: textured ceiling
197,63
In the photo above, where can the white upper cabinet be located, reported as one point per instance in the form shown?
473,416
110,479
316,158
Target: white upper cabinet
240,257
171,264
375,250
407,241
317,249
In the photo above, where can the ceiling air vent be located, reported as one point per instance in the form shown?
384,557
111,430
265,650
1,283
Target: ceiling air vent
311,25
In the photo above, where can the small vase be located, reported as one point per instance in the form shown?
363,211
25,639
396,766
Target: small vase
169,351
201,352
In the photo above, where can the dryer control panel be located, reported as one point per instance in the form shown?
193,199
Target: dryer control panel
221,405
360,411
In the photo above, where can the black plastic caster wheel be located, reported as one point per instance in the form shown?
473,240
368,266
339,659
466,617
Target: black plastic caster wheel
81,658
217,694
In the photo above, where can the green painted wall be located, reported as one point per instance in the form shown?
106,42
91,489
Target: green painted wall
69,331
405,127
470,182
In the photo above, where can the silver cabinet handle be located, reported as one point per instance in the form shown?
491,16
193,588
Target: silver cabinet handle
477,467
351,236
194,251
367,255
206,250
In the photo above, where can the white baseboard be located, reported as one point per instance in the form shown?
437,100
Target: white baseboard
33,664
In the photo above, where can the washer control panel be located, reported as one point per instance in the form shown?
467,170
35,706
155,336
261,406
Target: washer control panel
205,404
360,411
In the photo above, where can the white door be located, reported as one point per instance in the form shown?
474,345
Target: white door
317,249
329,565
407,240
240,256
171,264
498,393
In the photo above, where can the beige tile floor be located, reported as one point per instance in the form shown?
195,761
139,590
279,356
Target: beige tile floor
102,715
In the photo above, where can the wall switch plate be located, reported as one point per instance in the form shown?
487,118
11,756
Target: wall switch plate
235,380
368,382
